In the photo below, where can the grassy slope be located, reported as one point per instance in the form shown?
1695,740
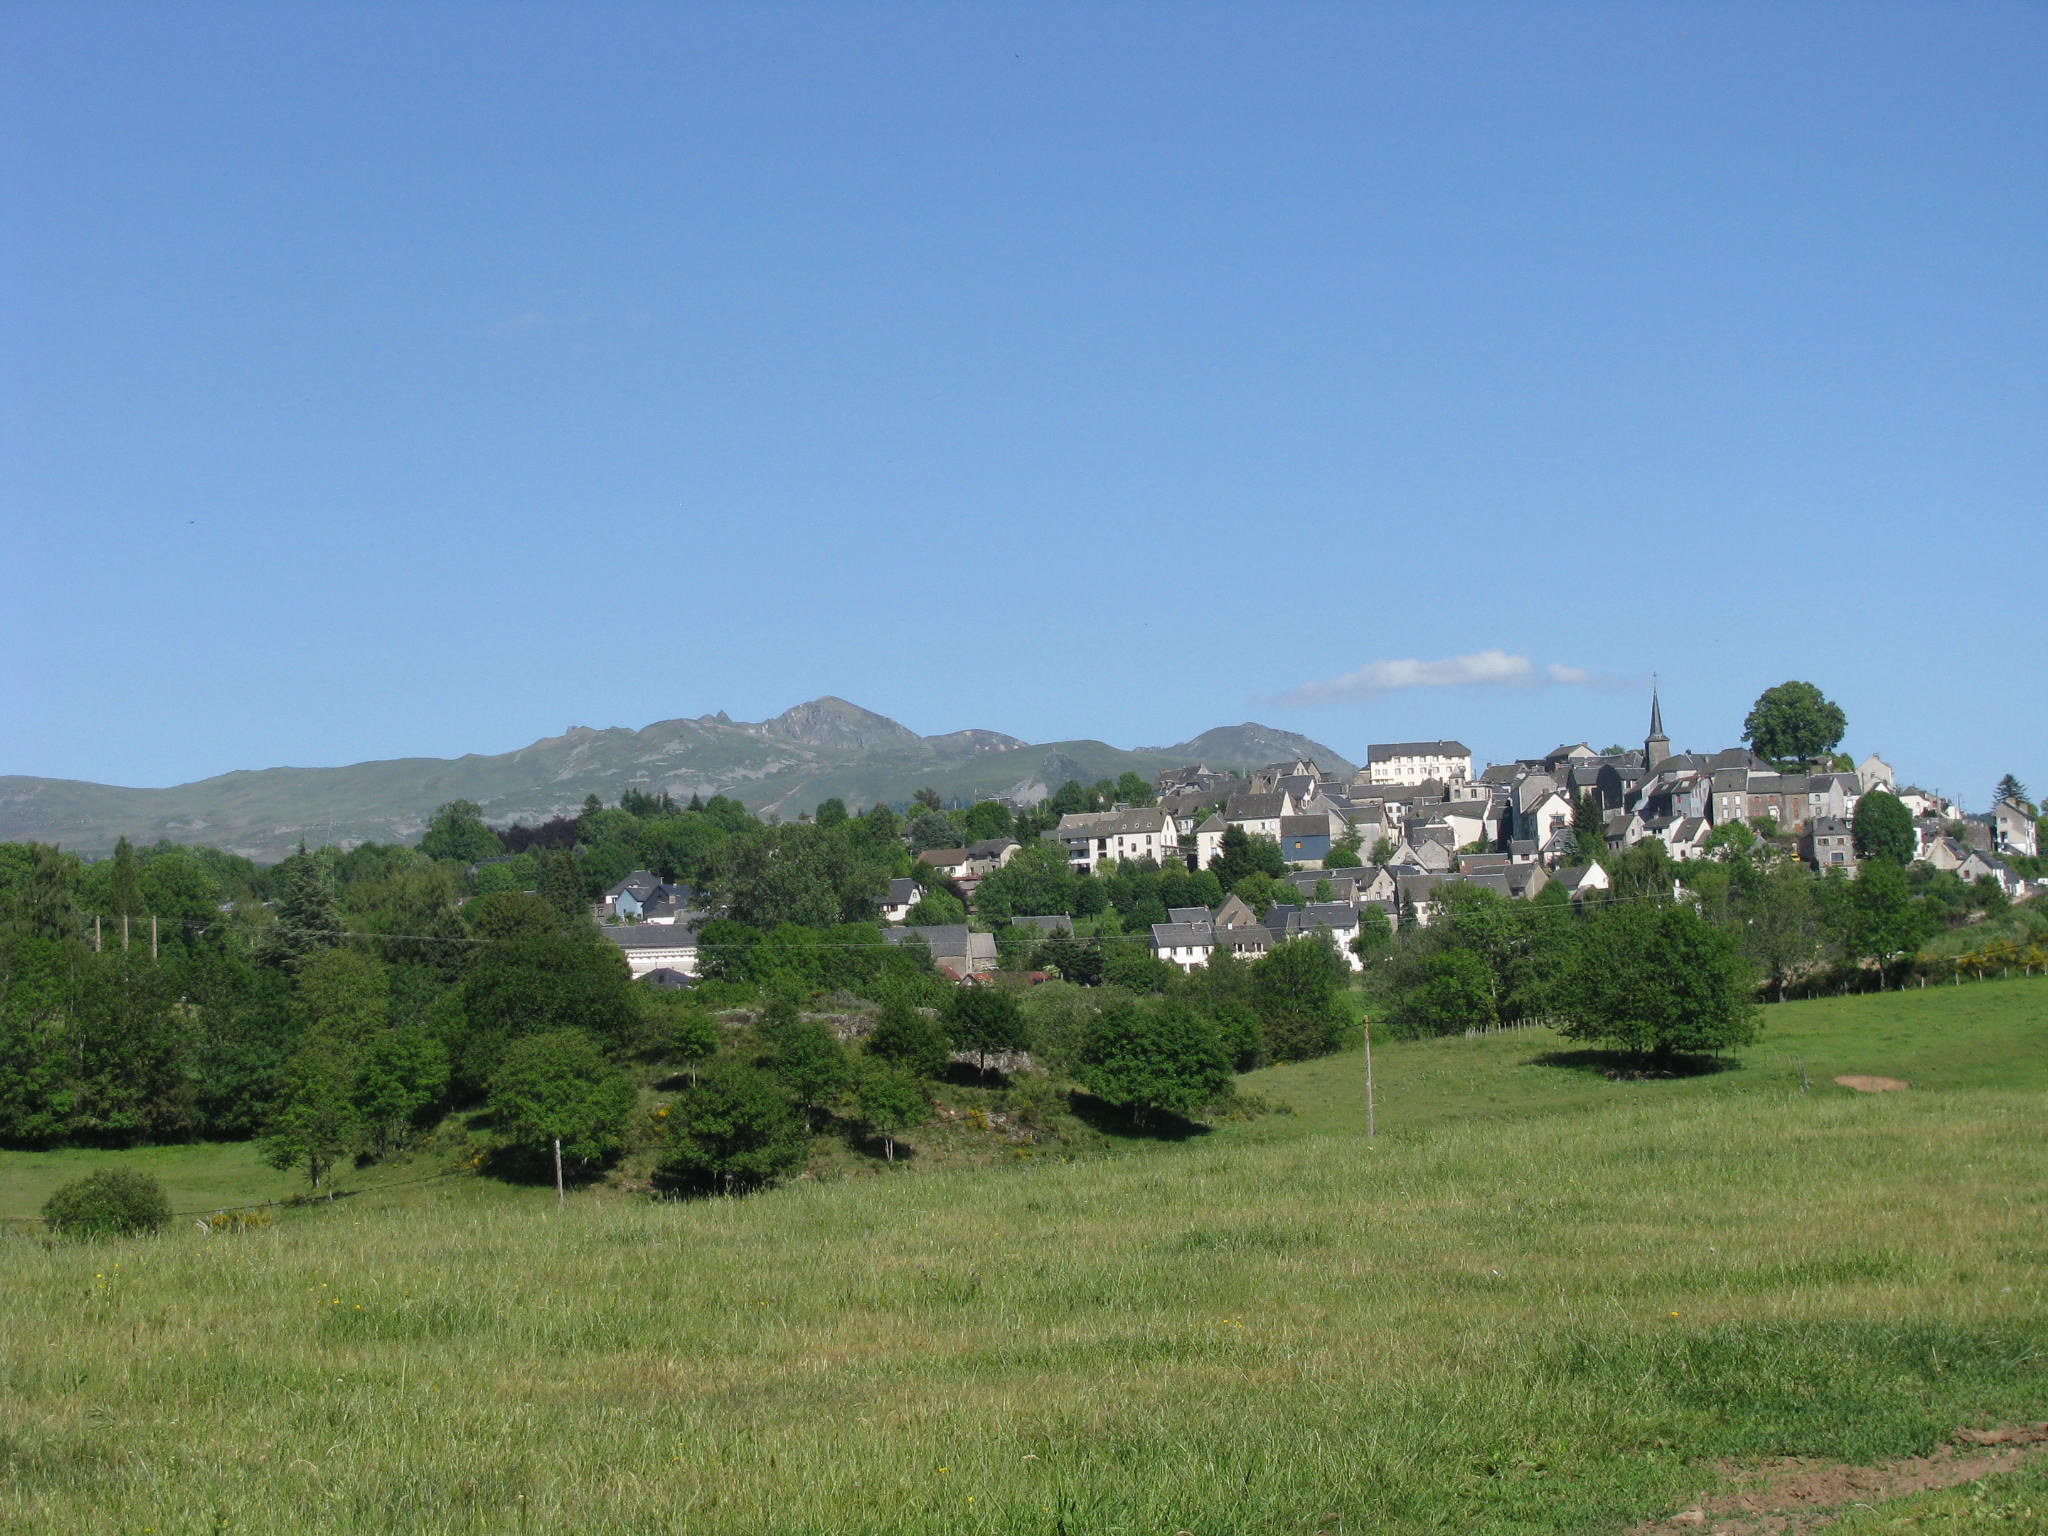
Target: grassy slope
1499,1318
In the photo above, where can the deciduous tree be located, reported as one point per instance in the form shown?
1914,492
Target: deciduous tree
1294,991
905,1037
1658,981
986,1020
890,1100
315,1123
1793,723
1146,1058
735,1130
556,1091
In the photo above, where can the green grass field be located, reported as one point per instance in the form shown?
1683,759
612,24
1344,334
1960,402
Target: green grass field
1542,1301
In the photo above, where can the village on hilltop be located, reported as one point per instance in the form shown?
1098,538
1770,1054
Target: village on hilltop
1414,822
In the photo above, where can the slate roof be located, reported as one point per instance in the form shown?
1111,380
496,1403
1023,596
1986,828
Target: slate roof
1183,936
1387,751
650,935
1190,915
1055,924
1077,825
641,882
947,940
1255,807
1495,880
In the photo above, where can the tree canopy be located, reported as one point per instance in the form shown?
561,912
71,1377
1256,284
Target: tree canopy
1658,981
1794,723
1154,1056
1882,828
558,1087
734,1131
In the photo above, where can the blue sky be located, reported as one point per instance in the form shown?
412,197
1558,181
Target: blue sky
422,379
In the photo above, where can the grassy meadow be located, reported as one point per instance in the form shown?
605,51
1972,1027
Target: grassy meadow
1542,1301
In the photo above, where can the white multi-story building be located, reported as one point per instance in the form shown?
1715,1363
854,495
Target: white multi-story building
1416,762
1094,838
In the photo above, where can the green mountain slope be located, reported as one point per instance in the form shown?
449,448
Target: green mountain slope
786,765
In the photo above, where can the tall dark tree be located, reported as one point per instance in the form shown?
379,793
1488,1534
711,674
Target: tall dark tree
2010,788
1794,723
38,892
1589,827
1882,828
124,883
1243,855
561,884
308,919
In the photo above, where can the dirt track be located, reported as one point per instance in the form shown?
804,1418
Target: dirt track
1792,1494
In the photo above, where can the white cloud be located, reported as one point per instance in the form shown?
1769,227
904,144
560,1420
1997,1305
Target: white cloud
1479,669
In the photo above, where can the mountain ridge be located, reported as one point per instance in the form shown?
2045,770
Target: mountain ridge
810,752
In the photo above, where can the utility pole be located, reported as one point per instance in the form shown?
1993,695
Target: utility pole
124,930
561,1197
95,933
152,935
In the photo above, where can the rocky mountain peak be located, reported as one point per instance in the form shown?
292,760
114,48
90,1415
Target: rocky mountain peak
831,722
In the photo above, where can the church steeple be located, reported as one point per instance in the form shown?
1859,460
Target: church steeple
1657,746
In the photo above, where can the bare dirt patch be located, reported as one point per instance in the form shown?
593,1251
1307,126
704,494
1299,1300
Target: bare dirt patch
1793,1494
1872,1084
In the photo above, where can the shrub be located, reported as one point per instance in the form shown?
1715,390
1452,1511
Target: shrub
735,1130
115,1202
1147,1057
905,1037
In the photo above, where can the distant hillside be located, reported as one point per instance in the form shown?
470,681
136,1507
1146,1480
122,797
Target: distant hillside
788,764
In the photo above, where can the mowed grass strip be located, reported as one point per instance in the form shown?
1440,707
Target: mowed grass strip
1543,1324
